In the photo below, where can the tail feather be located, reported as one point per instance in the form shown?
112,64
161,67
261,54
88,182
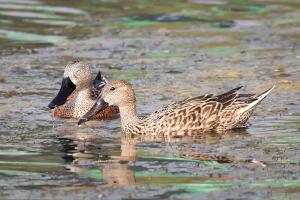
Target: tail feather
258,98
229,93
228,97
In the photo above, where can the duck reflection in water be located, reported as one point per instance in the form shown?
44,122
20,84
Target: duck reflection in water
116,163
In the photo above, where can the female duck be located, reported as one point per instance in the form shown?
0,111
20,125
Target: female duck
78,93
187,117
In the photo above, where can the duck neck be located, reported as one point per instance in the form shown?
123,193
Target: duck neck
128,114
83,101
84,94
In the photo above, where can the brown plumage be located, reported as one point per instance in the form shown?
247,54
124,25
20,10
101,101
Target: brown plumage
187,117
79,92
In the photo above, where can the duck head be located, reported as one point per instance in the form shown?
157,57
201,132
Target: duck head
77,75
115,93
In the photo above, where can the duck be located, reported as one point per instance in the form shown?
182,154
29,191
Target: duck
188,117
78,93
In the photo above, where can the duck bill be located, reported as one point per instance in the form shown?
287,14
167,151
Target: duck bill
99,106
99,81
67,87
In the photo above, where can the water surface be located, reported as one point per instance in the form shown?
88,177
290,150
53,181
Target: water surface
168,50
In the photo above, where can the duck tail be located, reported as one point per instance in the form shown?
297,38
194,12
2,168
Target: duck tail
228,97
258,99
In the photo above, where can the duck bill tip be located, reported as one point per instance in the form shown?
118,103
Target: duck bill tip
97,107
81,121
66,89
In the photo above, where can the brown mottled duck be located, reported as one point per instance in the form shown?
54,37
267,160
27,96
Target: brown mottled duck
78,93
190,116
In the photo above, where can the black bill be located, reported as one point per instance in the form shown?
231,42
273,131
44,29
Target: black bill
97,107
67,87
99,81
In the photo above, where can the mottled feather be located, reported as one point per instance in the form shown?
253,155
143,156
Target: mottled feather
82,99
190,116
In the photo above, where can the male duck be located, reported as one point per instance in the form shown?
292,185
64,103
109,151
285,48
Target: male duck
187,117
78,93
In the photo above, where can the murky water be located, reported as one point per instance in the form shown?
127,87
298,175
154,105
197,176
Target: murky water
168,50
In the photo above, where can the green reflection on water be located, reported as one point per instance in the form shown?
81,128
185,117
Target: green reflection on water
162,54
221,51
17,172
206,187
30,163
286,140
276,183
135,22
31,37
93,173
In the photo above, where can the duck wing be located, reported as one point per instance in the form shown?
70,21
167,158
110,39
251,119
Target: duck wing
238,112
198,113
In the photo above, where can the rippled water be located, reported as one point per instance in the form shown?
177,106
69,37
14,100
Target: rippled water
168,50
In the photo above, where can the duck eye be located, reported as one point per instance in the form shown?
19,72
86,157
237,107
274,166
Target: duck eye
75,61
112,88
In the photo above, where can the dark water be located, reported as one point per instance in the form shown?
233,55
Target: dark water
168,50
